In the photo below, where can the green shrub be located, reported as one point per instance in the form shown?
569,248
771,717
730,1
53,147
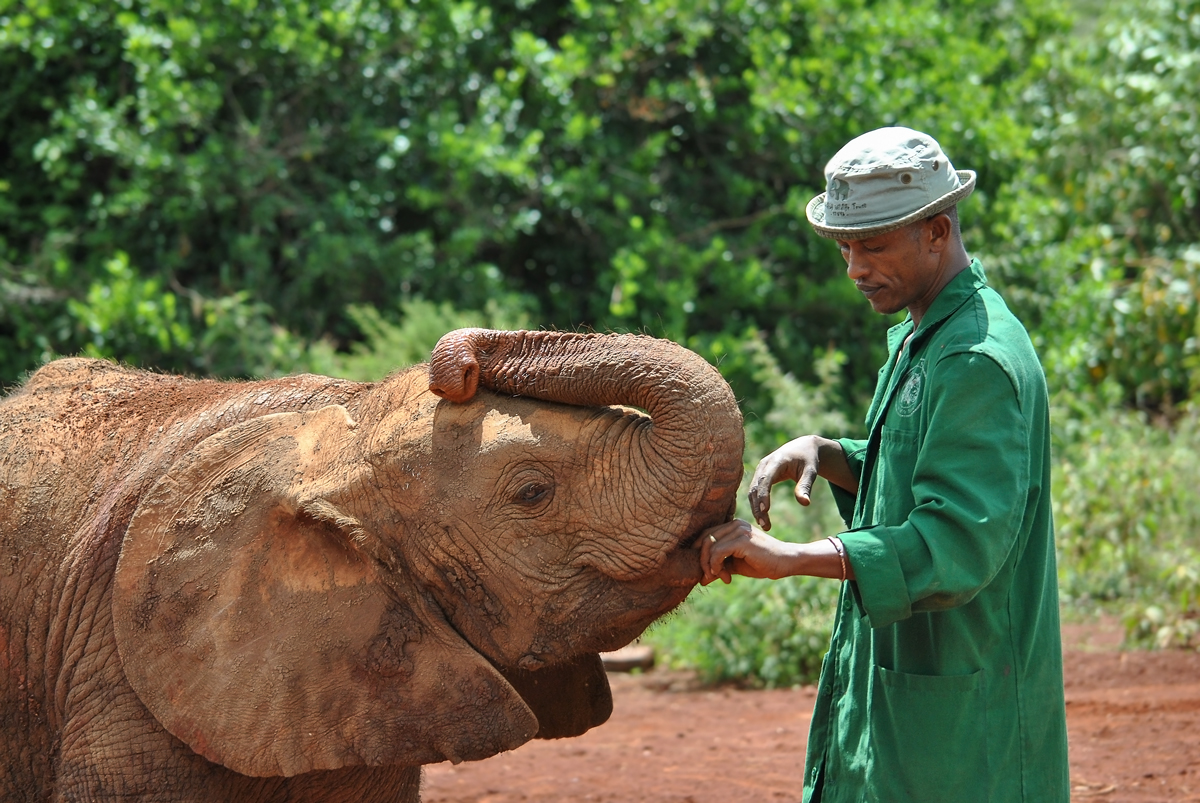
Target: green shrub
622,166
1127,515
1099,238
757,632
388,346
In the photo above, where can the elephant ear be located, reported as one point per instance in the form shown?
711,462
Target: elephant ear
257,630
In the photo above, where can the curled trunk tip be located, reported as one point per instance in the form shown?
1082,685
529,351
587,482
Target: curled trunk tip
454,367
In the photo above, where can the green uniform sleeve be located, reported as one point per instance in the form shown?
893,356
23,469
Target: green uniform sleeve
969,483
856,452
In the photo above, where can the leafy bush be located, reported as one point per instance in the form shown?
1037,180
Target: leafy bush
754,632
614,165
1128,521
1100,235
126,317
388,347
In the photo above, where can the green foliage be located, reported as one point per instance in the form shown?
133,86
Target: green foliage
757,632
615,165
624,166
1103,228
245,157
1128,521
388,347
122,311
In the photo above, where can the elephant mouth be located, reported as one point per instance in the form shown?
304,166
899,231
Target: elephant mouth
689,541
567,698
680,570
682,565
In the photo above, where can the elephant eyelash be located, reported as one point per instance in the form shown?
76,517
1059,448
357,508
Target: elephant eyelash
531,493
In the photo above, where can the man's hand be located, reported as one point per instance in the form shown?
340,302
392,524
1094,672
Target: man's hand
802,461
796,460
737,547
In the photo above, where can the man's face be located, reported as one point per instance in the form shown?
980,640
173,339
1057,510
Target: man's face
895,271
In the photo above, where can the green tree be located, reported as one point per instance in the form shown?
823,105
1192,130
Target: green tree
1107,214
613,165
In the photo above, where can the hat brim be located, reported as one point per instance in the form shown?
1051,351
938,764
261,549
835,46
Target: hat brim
816,213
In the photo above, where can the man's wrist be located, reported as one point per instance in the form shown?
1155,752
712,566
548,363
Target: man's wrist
841,551
817,559
833,465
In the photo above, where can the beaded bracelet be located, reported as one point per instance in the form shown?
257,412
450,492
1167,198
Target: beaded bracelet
841,551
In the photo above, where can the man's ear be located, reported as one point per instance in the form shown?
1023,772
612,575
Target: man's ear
940,231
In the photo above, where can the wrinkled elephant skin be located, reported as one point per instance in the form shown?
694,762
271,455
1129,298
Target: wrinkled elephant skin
303,589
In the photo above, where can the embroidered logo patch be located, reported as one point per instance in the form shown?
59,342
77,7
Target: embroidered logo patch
908,400
838,190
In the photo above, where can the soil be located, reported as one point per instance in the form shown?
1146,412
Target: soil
1133,720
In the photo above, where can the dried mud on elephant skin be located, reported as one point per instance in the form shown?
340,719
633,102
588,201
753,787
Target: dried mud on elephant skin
302,589
1133,720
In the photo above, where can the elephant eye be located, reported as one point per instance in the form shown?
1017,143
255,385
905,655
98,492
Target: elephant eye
532,492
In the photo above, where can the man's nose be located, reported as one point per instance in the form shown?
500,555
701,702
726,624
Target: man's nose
856,266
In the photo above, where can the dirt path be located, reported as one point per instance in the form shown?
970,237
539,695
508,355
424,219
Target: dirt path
1133,718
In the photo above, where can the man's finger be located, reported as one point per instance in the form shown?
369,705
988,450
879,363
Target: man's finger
802,496
717,550
706,555
763,515
804,485
718,563
760,502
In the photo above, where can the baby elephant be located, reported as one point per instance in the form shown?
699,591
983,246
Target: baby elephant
305,588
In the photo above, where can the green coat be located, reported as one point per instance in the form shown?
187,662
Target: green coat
943,680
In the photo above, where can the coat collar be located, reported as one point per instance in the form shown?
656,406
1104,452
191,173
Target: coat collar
962,287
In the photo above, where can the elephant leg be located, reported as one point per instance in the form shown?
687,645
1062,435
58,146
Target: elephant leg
112,749
123,761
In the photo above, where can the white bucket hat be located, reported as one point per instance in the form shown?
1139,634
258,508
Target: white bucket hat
883,181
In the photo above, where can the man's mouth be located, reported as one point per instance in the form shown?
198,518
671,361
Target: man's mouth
867,290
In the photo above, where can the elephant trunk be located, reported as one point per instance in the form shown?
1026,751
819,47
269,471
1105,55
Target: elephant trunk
693,449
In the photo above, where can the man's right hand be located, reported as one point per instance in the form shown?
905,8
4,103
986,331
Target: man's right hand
738,547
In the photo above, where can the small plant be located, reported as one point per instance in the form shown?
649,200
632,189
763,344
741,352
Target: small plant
755,632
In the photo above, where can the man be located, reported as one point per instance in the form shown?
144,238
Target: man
943,680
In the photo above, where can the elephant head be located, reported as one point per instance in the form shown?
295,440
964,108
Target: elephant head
429,570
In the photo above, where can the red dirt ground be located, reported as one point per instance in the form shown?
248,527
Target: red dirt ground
1133,720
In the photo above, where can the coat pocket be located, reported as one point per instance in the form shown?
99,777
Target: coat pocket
891,486
929,738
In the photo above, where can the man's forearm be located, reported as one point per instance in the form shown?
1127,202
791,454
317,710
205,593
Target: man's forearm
833,466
